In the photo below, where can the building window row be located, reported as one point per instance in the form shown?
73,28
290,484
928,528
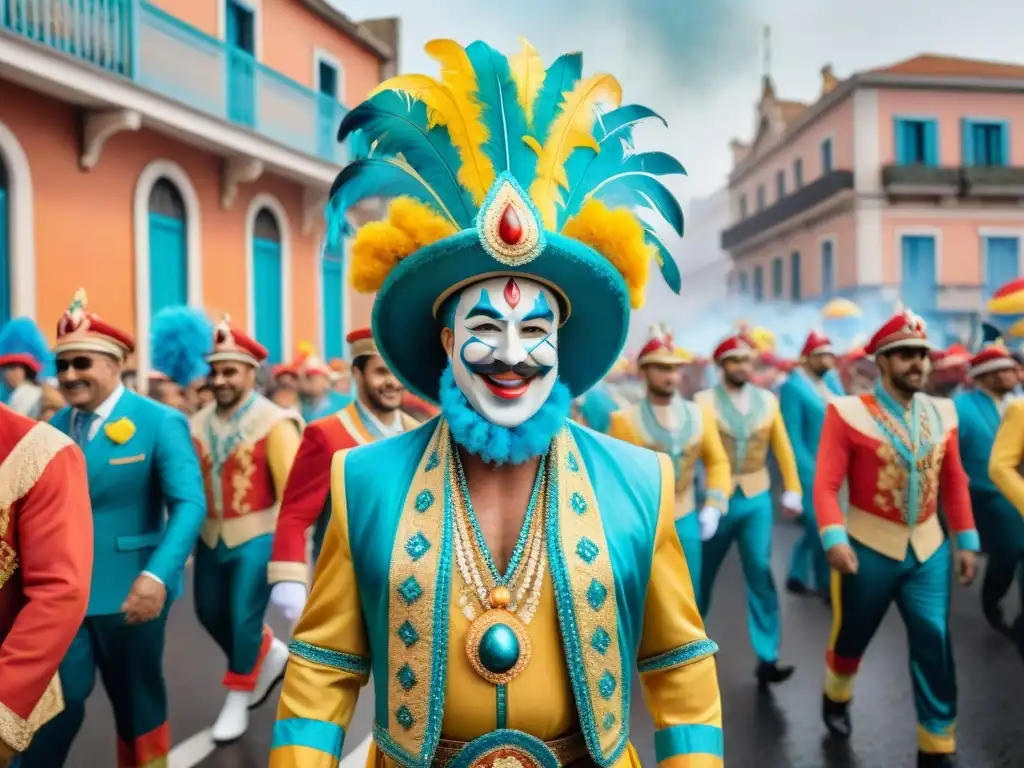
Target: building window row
984,142
761,202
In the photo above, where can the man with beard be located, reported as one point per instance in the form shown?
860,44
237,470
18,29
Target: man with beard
664,422
373,415
45,565
750,424
501,569
802,400
147,504
980,410
246,445
898,449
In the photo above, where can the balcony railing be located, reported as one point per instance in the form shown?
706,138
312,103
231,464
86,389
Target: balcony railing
994,181
921,180
801,200
136,40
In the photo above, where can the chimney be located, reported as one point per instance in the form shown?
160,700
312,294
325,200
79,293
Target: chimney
828,80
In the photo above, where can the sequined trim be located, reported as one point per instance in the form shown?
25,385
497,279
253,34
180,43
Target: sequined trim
501,707
584,586
678,657
346,662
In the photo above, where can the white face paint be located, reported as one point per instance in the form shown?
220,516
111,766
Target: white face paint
505,355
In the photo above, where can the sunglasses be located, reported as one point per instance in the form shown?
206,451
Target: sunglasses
78,363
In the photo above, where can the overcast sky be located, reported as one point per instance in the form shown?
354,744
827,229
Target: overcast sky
698,62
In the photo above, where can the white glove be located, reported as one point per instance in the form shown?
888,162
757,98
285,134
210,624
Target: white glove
793,502
289,597
708,518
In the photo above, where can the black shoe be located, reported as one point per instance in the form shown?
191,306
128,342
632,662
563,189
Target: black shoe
770,673
836,715
931,760
994,616
796,587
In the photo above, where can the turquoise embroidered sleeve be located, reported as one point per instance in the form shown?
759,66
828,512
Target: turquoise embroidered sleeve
688,740
320,735
346,662
833,535
678,657
968,541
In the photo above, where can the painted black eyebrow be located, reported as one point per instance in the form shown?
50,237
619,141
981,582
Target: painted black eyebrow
484,311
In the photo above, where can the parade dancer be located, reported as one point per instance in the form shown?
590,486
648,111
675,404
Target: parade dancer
898,450
491,641
45,566
1004,470
749,423
23,355
802,399
147,506
373,415
664,422
980,410
246,446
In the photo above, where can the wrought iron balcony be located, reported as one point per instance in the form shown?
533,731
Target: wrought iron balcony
994,181
787,208
136,40
920,181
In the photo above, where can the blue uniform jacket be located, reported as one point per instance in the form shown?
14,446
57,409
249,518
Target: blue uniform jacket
979,419
803,412
147,498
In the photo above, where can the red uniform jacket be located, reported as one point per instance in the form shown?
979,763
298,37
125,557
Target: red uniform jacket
45,569
859,444
305,494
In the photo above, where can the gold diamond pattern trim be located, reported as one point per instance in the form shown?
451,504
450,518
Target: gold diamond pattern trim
529,246
575,528
17,731
409,729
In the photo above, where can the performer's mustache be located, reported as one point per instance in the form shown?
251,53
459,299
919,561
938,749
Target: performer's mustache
524,369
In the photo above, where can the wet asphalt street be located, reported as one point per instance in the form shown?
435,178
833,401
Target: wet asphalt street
777,731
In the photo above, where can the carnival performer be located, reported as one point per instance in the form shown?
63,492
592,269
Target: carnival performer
1004,469
802,400
246,446
899,451
319,399
147,506
664,422
501,551
24,353
980,410
750,423
373,415
45,567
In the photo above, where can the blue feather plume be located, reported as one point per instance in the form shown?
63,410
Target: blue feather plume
180,339
666,264
560,78
21,336
502,114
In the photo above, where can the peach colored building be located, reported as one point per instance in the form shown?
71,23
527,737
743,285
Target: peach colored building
157,152
905,182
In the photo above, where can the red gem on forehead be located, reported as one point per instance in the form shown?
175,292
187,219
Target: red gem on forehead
512,293
510,229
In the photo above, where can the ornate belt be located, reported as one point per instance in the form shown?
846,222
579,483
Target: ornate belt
512,749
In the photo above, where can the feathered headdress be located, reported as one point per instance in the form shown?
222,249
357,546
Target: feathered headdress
22,343
181,338
502,157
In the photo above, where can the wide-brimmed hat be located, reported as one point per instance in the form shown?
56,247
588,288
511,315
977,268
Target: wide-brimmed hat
502,169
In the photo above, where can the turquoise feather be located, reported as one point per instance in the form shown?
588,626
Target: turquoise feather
502,114
638,189
561,77
622,120
373,177
21,336
180,339
395,125
667,264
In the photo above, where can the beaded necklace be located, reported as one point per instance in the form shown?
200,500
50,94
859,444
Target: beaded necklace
221,449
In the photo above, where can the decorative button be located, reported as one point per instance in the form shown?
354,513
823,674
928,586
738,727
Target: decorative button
499,649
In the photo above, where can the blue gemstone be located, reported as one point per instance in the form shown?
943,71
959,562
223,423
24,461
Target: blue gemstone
417,546
499,649
408,634
606,685
424,500
404,717
579,504
573,465
596,593
433,461
587,550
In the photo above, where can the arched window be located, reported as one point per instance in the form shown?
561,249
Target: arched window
267,281
332,286
5,245
168,247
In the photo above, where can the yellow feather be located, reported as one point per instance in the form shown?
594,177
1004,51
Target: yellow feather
571,130
528,73
465,130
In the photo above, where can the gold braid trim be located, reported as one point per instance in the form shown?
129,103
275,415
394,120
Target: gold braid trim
17,732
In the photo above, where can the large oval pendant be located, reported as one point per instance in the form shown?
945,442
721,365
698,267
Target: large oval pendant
498,646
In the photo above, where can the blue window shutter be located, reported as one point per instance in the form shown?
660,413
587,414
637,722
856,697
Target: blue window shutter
967,142
931,143
168,262
899,128
1004,138
796,288
1002,262
266,256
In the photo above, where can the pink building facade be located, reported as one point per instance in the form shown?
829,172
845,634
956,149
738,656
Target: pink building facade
900,183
